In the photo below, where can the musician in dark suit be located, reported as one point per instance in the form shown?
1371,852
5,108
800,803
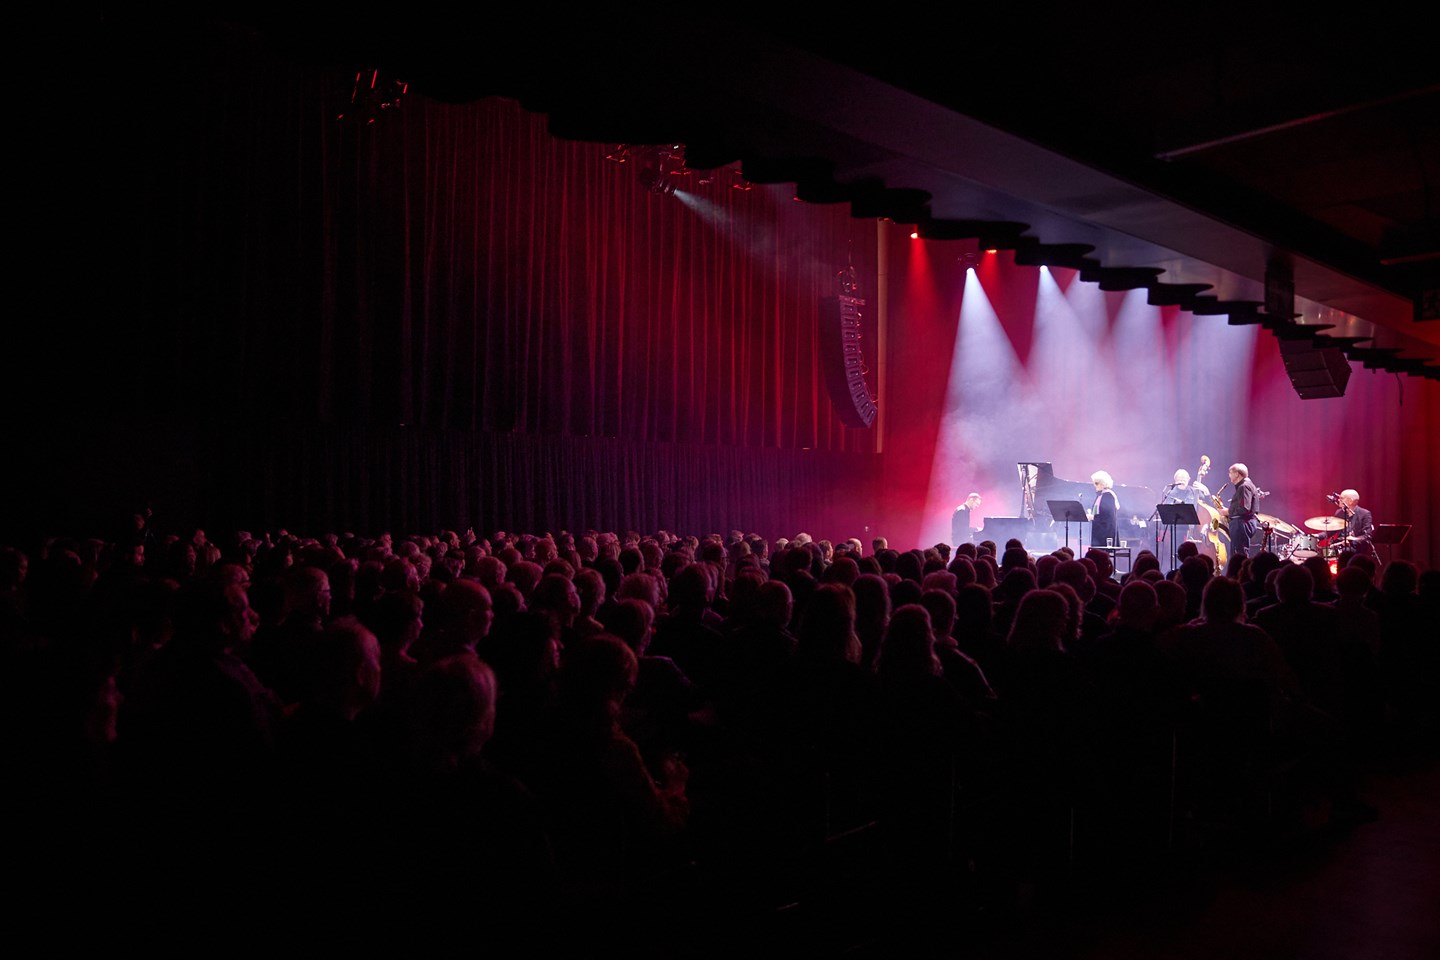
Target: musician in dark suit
1359,525
1240,515
1105,517
962,524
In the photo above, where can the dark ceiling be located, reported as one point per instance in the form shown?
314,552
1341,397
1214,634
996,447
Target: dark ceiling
1193,155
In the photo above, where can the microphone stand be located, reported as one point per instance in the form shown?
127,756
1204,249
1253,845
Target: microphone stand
1159,531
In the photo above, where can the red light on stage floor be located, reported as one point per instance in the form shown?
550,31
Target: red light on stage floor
914,234
1334,566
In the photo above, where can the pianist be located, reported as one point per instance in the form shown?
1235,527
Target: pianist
962,525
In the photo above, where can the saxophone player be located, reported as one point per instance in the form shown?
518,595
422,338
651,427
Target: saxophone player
1240,515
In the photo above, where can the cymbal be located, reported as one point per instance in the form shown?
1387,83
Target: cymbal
1325,523
1278,525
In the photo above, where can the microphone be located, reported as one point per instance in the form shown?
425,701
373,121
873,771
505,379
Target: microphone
1262,493
1333,497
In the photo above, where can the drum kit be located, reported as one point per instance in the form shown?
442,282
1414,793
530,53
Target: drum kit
1302,546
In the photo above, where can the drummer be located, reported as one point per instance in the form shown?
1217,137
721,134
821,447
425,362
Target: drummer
1359,525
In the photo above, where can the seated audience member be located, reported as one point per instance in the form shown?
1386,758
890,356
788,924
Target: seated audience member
1194,575
829,710
590,587
1268,594
1138,689
525,574
397,620
664,712
872,615
1047,710
1221,648
963,569
758,654
958,668
281,653
1358,629
985,571
974,626
1407,657
200,731
1257,584
642,586
1144,562
688,635
1305,633
1097,606
482,858
322,754
615,827
925,728
462,620
525,654
400,575
1008,594
489,571
1105,573
1045,568
556,597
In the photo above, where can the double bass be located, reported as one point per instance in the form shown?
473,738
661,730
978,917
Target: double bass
1216,532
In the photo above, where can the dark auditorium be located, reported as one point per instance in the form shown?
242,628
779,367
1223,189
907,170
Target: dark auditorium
696,482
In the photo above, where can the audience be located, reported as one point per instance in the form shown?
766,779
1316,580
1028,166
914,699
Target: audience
540,702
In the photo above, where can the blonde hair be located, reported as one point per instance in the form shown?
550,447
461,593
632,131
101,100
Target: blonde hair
1102,478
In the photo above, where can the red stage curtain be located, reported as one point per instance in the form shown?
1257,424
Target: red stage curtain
443,317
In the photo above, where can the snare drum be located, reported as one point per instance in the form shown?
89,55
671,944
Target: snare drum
1303,546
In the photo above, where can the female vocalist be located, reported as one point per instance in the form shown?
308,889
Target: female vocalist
1104,518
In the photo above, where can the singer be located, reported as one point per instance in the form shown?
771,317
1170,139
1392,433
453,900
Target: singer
1105,517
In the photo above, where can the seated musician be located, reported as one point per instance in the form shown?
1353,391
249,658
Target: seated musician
1359,525
962,524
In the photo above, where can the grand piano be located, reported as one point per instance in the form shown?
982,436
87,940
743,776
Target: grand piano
1038,528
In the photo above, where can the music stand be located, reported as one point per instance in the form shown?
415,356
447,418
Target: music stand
1389,534
1069,511
1174,514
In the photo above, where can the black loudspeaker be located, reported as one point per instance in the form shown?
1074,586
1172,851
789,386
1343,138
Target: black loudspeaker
1315,372
843,362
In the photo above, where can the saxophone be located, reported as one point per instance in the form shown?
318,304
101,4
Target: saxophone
1221,511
